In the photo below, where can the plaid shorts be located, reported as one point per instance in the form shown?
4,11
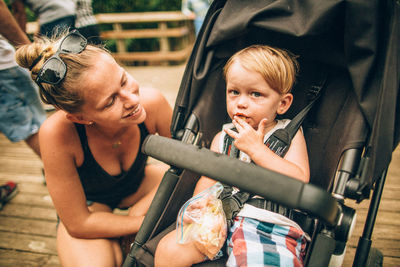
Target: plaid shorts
254,243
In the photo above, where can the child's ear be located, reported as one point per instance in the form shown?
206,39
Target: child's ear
285,103
78,118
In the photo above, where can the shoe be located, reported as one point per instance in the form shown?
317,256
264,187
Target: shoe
7,192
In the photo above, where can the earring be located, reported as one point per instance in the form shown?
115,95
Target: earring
91,123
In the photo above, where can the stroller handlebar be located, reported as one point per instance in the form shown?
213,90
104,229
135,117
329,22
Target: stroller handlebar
248,177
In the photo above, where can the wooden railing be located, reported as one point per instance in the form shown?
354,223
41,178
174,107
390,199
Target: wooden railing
169,25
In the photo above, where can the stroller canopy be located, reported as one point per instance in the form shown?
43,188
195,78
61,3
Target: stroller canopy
360,37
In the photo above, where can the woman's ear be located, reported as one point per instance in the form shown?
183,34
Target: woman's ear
285,103
78,118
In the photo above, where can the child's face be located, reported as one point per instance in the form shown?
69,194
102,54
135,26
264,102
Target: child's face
250,97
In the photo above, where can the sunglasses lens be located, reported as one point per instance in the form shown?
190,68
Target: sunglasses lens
73,43
53,71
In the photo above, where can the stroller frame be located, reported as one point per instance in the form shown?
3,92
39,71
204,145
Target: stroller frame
358,156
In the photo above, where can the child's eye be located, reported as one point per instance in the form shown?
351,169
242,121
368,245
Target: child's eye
256,94
233,92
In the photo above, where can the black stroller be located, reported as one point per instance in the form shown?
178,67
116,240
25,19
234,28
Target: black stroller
348,54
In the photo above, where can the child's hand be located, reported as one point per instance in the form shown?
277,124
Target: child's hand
247,139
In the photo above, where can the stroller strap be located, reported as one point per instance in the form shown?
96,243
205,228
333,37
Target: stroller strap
280,140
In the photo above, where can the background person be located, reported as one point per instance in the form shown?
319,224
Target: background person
53,16
21,112
86,22
196,10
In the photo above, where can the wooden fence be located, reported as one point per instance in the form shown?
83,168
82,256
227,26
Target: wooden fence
161,26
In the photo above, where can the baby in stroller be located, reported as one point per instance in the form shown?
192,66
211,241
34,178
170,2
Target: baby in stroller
258,83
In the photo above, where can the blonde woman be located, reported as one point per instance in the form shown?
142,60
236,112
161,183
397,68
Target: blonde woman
91,146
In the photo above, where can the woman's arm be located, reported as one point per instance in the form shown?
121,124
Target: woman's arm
159,112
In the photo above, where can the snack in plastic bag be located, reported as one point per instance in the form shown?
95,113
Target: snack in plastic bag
202,220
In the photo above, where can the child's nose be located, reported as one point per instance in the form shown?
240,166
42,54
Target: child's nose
242,102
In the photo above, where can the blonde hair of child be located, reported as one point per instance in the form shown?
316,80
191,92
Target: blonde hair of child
68,94
278,67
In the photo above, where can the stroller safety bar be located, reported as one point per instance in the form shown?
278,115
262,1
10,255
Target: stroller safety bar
251,178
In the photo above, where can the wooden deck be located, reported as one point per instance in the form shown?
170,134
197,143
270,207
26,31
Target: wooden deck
27,222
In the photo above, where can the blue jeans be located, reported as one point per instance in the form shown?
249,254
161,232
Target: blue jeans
21,112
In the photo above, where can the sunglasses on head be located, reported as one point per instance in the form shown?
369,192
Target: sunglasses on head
54,69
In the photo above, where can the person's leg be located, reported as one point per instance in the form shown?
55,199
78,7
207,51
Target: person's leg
21,112
87,252
170,253
33,142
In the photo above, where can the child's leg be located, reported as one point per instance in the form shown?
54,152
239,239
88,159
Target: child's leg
170,253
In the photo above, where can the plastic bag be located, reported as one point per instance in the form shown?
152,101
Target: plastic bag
201,220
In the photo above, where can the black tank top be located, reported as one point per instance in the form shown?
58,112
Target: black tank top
101,187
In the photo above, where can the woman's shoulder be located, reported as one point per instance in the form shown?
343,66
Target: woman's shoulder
150,95
157,109
57,127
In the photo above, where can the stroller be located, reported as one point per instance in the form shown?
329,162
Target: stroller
350,59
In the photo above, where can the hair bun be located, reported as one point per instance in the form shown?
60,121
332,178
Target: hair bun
27,56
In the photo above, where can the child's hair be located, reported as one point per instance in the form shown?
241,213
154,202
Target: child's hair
68,94
277,66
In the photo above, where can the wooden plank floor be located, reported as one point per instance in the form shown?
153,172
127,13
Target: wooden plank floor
27,222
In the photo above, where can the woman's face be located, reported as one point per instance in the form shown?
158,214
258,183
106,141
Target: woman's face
111,94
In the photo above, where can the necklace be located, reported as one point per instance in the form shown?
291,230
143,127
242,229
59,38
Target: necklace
116,144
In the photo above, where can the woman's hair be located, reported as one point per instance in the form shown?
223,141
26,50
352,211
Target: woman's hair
68,94
278,67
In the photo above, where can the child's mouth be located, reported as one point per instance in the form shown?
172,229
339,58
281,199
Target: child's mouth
241,116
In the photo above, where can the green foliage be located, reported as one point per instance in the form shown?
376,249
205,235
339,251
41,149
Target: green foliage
118,6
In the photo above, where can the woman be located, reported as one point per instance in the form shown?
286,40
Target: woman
91,147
